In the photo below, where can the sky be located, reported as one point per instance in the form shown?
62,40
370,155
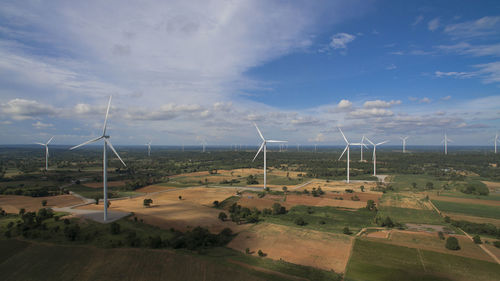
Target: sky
184,72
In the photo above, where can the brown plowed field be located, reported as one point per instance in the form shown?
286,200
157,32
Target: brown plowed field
466,200
12,203
168,211
300,246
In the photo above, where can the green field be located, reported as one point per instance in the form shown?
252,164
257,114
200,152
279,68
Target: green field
458,194
405,215
334,219
90,192
375,261
404,182
484,211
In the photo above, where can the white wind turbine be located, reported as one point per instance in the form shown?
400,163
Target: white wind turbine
496,141
149,148
445,141
47,152
375,154
404,143
264,145
362,143
104,159
348,149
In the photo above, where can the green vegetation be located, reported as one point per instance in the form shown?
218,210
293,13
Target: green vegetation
452,244
404,215
477,228
329,219
459,194
384,262
484,211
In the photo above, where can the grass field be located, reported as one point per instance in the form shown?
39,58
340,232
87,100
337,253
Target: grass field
90,192
404,182
458,194
377,261
334,219
468,209
21,260
404,215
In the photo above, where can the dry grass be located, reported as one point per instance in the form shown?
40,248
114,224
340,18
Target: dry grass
154,188
306,247
406,200
455,216
12,203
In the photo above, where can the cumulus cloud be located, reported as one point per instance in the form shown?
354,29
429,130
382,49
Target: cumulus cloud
344,105
418,20
22,109
340,40
304,121
380,103
489,71
446,98
370,112
320,137
425,100
433,24
168,111
454,74
40,125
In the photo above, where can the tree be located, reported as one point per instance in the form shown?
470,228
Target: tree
180,197
447,219
441,235
216,203
414,185
285,189
251,179
477,239
362,188
147,202
370,205
387,222
278,209
347,231
222,216
22,211
429,185
261,254
452,243
96,198
247,251
44,203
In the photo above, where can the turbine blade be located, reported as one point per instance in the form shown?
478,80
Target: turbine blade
382,142
260,134
276,141
87,142
369,141
50,140
343,151
116,153
40,143
343,135
106,119
261,146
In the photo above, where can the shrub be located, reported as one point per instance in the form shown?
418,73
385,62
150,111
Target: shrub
441,235
496,243
346,231
180,197
147,202
251,179
247,251
216,203
300,221
322,222
370,205
222,216
44,203
477,239
278,209
114,228
447,219
261,254
452,243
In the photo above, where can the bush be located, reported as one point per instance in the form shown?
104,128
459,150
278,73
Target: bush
114,228
222,216
447,219
44,203
300,221
477,239
441,235
452,243
216,203
147,202
261,254
278,209
370,205
496,243
347,231
476,188
251,179
247,251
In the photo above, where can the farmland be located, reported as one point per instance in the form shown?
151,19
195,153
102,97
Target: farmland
406,215
485,211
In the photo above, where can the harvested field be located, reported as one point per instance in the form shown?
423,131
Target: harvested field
458,217
168,211
492,186
253,201
301,246
466,200
340,186
379,234
154,188
431,242
363,196
408,200
99,184
494,250
12,203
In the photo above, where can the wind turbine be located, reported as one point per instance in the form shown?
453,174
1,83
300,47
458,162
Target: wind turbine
264,145
404,143
149,148
47,152
496,141
375,154
445,141
362,143
104,159
347,148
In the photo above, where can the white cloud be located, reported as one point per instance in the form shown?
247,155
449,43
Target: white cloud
433,24
391,67
425,100
320,137
340,40
485,26
490,71
380,103
465,48
370,112
40,125
344,105
446,98
304,121
418,20
454,74
22,109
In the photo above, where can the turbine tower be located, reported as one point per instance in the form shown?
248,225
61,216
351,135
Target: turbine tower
496,141
104,159
445,141
375,154
47,152
404,143
264,145
348,150
361,147
149,148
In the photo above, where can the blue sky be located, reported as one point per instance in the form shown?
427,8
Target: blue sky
181,72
